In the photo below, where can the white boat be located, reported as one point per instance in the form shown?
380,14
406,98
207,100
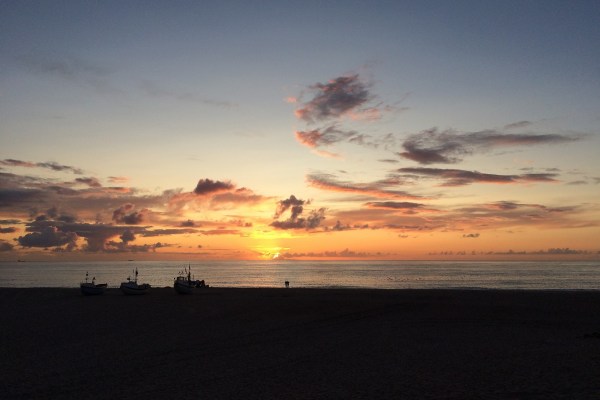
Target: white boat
92,288
184,283
133,287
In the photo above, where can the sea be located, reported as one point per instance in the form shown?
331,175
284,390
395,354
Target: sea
523,275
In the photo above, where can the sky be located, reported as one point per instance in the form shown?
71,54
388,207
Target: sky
334,130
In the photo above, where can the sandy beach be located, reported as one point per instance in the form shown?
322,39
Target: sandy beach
300,343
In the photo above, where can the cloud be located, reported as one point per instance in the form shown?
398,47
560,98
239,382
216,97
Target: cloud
151,88
10,229
208,186
126,215
324,137
459,177
47,165
70,69
448,147
291,202
471,235
375,189
518,125
295,220
166,232
91,182
49,236
346,253
334,99
405,206
118,179
5,246
127,236
189,223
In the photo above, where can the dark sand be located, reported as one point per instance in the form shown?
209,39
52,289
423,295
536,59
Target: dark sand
300,343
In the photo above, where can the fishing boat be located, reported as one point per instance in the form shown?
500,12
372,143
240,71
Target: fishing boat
133,287
92,288
184,283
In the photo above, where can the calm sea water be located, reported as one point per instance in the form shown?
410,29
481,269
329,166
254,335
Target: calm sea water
317,274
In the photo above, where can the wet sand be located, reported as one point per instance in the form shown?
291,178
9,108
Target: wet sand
300,343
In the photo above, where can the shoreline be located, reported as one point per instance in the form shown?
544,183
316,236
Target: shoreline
300,343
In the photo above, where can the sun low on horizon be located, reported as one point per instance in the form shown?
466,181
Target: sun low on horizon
230,131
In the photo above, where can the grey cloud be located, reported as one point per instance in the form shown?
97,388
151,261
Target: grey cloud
5,246
208,186
374,189
47,165
49,236
126,215
459,177
335,98
151,88
448,147
296,221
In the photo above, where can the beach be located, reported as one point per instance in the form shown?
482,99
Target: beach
222,343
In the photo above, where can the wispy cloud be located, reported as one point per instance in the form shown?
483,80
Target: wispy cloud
459,177
375,189
449,147
9,162
71,69
153,89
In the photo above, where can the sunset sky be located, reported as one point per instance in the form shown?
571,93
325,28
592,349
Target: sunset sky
290,130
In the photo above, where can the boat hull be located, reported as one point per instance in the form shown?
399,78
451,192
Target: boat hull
134,289
183,288
92,290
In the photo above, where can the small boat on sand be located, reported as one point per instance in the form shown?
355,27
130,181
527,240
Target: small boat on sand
184,283
92,288
133,287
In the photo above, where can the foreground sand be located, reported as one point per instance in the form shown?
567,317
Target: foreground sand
300,343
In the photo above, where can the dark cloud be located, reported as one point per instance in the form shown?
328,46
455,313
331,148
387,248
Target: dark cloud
284,205
334,99
5,246
189,223
313,220
10,229
91,182
471,235
9,221
375,189
126,215
49,236
449,147
396,205
127,236
12,197
48,165
166,232
295,220
208,186
518,125
459,177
